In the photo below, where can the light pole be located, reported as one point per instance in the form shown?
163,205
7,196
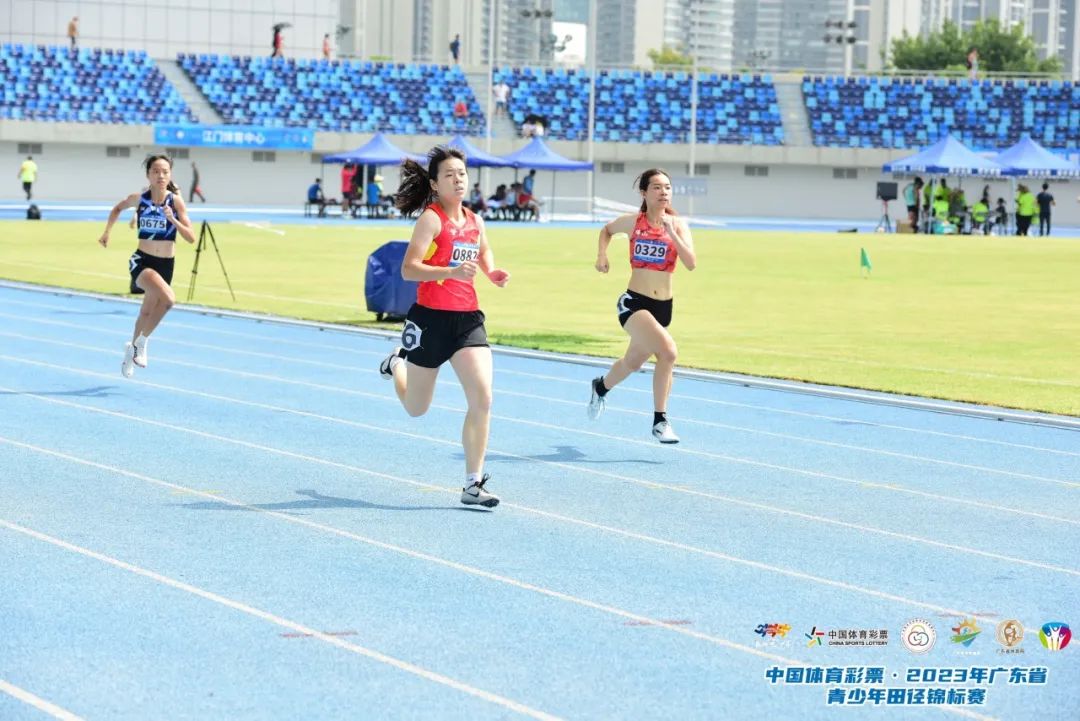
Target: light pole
538,14
842,32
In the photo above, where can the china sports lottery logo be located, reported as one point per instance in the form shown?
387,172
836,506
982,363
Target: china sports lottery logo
918,635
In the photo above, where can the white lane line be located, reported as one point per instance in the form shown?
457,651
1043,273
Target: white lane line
566,466
455,566
967,502
37,702
548,399
579,382
653,540
124,278
446,383
285,623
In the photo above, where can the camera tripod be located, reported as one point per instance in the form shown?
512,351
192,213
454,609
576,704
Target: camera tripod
206,232
885,224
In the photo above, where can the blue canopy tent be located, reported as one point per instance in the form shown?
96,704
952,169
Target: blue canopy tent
377,151
947,156
537,155
476,157
1028,158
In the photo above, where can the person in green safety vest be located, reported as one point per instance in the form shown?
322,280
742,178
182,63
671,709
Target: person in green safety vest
1025,209
980,213
941,214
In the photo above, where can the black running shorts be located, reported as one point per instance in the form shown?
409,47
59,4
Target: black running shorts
140,261
631,302
430,337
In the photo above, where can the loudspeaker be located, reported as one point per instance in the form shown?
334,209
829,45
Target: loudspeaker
886,190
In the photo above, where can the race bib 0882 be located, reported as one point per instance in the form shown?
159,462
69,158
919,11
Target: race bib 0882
463,252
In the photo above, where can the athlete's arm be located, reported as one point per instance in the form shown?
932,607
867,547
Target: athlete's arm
684,241
413,266
180,219
622,224
497,276
128,202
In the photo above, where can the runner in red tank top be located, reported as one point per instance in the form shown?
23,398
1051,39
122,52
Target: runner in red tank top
447,248
658,239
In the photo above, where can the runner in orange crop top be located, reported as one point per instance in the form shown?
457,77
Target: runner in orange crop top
658,239
448,247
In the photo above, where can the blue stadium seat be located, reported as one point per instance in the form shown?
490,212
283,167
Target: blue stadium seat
54,83
987,115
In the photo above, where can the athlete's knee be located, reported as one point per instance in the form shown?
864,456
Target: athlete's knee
416,409
168,299
480,401
667,354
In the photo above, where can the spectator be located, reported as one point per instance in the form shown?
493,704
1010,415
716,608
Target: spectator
374,197
973,63
498,201
315,197
196,189
529,183
533,126
476,200
501,92
28,174
455,47
461,109
525,203
1001,217
348,172
911,199
326,46
1025,209
279,41
73,31
1045,200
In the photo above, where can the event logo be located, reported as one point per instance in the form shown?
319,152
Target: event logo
1010,633
918,635
1055,635
815,637
773,630
966,632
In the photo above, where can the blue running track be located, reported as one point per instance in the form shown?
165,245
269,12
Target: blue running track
252,528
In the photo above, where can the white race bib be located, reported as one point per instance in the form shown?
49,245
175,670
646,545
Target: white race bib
463,252
650,251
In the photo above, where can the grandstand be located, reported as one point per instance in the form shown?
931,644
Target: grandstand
51,83
873,112
337,96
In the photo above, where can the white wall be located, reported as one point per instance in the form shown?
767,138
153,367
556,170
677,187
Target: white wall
166,27
83,172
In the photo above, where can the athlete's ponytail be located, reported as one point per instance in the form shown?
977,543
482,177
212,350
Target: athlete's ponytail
415,191
642,182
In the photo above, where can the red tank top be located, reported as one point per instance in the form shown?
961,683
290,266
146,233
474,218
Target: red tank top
450,248
651,248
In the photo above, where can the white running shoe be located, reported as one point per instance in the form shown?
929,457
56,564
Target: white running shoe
597,402
127,368
141,358
664,433
475,495
386,368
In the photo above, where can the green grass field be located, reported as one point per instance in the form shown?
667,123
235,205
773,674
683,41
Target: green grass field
987,320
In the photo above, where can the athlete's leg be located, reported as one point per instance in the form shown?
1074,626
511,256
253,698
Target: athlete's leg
156,303
473,367
415,386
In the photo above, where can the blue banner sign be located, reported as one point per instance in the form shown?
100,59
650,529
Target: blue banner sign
235,136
